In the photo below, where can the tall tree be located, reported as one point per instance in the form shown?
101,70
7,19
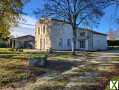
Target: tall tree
10,11
76,12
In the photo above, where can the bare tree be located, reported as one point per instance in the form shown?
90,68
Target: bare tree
75,12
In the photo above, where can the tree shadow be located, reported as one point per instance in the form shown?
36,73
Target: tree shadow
61,65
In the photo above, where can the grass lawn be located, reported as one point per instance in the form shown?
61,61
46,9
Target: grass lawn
88,75
115,58
14,70
14,67
69,56
64,56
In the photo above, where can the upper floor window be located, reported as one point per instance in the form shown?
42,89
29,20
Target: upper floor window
82,34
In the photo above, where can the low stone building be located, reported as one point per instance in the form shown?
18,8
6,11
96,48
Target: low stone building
27,41
56,34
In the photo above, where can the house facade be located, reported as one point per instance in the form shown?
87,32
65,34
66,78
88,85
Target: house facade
56,34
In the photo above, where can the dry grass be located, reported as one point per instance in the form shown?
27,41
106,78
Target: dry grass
14,68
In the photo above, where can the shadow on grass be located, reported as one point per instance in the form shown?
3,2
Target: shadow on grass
61,65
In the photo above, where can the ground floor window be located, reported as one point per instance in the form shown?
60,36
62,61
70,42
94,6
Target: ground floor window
82,43
69,42
61,43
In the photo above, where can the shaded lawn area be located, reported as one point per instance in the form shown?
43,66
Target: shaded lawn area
61,65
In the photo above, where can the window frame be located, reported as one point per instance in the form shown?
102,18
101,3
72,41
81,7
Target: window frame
60,43
69,42
82,44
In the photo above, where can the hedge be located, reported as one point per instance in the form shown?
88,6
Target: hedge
113,42
3,44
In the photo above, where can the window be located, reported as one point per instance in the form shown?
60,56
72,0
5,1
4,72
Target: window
69,42
61,43
82,43
82,34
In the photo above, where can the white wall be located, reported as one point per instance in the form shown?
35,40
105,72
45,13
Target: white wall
99,42
61,31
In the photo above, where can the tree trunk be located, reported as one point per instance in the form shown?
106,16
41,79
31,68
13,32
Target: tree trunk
74,40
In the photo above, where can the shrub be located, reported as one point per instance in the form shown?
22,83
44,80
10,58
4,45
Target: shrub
3,44
39,57
38,60
113,42
51,50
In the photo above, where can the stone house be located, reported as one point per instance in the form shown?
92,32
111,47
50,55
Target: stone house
57,34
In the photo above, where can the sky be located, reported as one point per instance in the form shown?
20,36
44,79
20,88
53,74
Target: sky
27,27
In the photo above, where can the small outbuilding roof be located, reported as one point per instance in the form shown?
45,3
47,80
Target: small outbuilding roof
26,36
